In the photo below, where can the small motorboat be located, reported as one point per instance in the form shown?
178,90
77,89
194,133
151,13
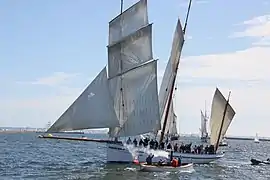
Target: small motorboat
257,162
164,168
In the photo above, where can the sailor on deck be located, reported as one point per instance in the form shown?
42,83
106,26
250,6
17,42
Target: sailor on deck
149,159
129,141
135,142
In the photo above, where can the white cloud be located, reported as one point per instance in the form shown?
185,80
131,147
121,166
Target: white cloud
251,106
265,41
57,78
248,64
257,27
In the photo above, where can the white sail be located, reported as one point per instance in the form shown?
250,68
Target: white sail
167,80
170,128
217,112
256,139
131,52
92,109
141,110
203,125
132,74
130,21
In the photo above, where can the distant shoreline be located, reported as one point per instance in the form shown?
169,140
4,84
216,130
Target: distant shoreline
16,131
23,131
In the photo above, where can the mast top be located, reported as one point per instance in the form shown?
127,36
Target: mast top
121,6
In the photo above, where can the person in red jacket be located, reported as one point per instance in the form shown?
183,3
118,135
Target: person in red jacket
174,162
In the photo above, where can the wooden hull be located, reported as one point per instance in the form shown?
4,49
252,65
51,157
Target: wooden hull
154,168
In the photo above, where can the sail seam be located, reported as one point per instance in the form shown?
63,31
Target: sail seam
132,69
123,39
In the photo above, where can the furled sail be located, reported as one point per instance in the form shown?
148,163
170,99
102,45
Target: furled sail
203,125
133,72
218,107
94,108
167,80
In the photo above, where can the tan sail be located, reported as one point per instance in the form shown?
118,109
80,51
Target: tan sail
218,107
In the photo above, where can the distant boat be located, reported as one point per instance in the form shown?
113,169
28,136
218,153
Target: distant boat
203,129
256,139
223,142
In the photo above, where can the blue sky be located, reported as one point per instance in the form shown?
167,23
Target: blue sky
50,51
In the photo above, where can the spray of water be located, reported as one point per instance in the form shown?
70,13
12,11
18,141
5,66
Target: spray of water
135,151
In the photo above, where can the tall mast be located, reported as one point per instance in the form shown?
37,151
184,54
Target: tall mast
173,84
121,8
121,104
222,122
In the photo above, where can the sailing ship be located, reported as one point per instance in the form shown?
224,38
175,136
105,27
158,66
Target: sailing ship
256,139
221,114
123,98
118,153
203,129
128,91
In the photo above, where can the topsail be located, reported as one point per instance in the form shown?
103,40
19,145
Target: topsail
133,72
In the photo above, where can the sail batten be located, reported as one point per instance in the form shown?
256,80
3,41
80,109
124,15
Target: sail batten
218,105
87,111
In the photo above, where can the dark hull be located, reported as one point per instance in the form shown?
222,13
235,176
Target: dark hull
223,145
257,162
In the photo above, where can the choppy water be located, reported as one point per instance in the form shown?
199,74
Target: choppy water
24,156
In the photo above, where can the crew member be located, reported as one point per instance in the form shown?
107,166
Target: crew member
174,162
149,159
